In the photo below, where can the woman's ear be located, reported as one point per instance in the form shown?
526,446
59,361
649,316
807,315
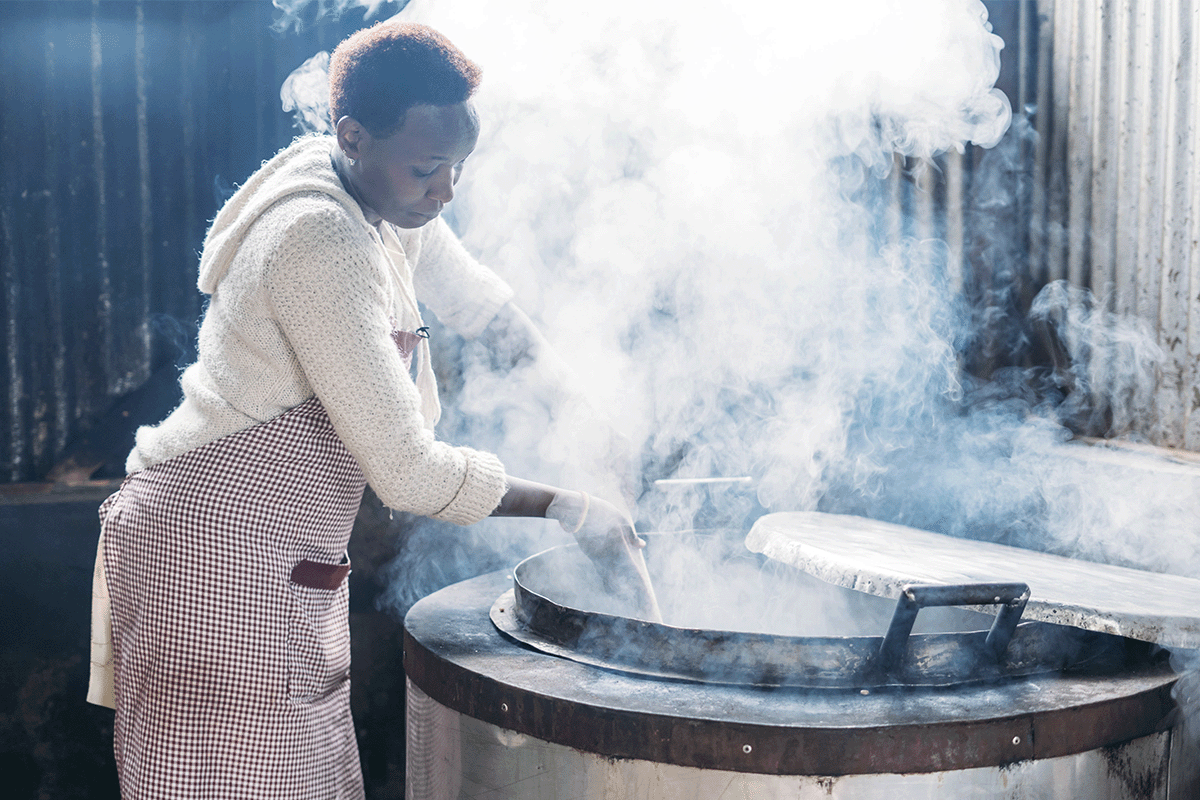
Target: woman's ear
351,136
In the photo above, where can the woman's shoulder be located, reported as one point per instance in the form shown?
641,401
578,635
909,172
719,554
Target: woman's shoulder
314,219
299,191
313,238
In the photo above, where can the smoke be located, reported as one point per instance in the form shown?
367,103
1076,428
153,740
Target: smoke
1103,357
179,337
681,199
305,93
686,198
292,12
673,197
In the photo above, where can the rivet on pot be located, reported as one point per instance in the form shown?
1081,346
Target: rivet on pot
1016,740
504,707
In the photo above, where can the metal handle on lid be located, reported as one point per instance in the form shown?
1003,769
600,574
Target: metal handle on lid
1012,598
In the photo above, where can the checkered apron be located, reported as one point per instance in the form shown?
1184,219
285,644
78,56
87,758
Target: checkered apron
227,570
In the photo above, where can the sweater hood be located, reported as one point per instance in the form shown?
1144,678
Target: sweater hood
304,166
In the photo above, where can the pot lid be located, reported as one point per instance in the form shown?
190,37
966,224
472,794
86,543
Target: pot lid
881,558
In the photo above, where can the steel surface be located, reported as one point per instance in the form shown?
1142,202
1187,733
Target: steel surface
452,755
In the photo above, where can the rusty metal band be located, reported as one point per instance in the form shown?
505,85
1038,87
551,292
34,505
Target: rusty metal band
454,654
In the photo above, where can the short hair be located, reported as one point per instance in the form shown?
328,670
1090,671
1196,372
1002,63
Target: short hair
378,73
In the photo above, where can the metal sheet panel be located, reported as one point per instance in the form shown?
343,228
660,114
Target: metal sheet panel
1126,118
1110,89
129,121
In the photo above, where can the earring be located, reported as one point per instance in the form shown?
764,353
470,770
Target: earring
353,162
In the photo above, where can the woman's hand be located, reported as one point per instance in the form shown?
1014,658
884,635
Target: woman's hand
606,536
604,532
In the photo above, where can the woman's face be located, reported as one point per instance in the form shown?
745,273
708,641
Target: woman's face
410,176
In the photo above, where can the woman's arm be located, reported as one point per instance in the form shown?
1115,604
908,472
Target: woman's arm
604,533
512,337
525,499
325,288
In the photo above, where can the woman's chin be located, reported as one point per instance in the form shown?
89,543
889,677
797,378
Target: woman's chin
413,219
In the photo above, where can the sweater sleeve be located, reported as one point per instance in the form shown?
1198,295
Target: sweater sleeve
325,284
463,293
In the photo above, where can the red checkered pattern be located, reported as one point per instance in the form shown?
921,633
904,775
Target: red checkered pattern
232,681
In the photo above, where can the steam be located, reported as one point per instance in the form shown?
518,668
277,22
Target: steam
305,93
291,12
1103,357
686,198
682,200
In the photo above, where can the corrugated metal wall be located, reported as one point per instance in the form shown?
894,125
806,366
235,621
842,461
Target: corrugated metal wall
1123,183
1097,184
126,123
980,201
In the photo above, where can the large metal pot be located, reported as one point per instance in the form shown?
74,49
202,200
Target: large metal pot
517,709
552,607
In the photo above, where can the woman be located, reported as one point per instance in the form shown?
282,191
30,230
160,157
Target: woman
224,550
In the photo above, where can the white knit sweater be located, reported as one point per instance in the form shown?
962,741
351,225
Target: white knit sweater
303,299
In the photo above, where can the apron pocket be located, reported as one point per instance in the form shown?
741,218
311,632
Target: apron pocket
318,632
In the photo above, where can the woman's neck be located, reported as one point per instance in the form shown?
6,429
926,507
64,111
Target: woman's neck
341,166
